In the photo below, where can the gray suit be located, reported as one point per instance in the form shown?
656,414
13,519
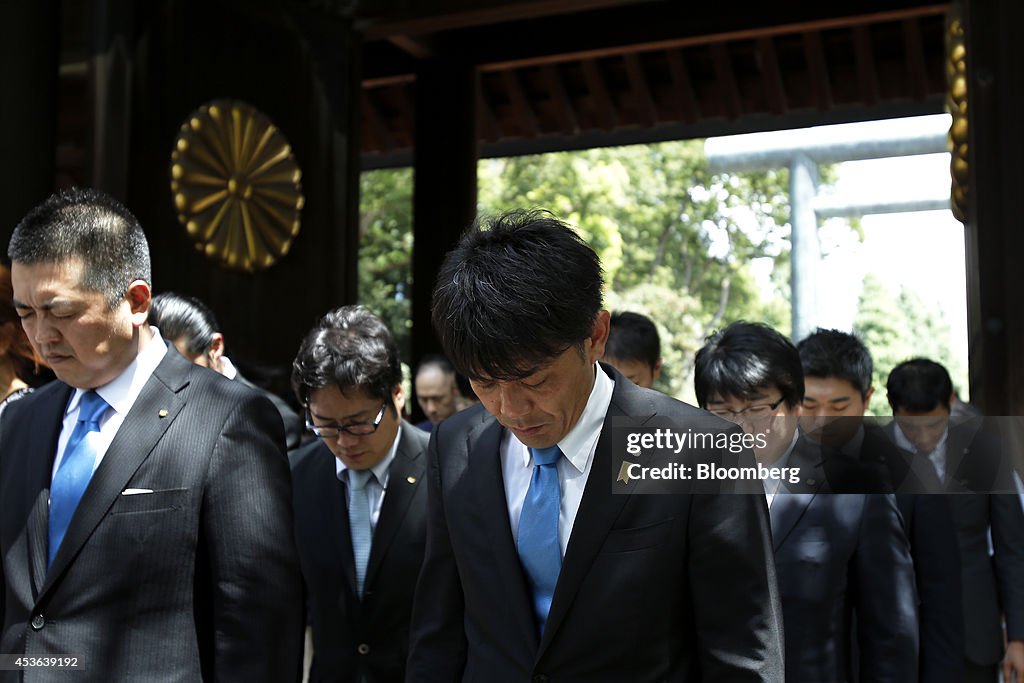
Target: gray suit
196,580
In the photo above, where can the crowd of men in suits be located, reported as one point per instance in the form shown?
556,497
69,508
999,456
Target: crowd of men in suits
155,523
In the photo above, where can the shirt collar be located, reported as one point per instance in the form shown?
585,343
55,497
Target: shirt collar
120,393
903,442
228,368
578,444
380,470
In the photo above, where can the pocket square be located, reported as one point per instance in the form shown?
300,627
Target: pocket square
135,492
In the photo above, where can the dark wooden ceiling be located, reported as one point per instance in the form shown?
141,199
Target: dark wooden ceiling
572,74
573,81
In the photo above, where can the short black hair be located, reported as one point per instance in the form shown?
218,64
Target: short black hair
744,357
517,291
436,360
186,318
834,353
633,336
92,226
349,348
919,385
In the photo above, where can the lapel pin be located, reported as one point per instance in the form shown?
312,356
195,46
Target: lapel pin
810,482
163,412
411,480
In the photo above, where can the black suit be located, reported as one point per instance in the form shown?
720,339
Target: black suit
195,580
292,423
928,523
836,554
652,587
993,585
355,638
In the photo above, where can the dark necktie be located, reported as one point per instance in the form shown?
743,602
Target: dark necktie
539,550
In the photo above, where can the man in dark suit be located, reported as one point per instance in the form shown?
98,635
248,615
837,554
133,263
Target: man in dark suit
146,520
837,388
966,460
835,554
360,563
534,569
191,326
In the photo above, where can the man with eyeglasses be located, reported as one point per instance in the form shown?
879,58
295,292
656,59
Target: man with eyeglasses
359,503
835,555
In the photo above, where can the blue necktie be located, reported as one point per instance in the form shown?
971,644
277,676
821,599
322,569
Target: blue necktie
75,471
538,546
359,522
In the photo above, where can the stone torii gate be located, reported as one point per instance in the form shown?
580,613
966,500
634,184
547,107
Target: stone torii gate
802,151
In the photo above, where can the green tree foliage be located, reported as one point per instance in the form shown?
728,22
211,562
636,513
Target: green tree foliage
676,241
898,327
385,250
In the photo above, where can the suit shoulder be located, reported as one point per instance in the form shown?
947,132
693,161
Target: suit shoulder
307,456
414,437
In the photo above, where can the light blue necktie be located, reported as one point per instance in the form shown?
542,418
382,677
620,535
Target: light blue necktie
75,471
539,550
359,522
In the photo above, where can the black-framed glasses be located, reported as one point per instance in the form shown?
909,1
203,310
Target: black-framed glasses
755,412
356,428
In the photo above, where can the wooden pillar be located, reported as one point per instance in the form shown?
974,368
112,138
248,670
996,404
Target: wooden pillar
300,66
112,42
445,176
995,226
30,36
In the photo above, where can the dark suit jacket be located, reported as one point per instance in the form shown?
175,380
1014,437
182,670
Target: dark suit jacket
835,554
357,639
196,580
928,523
993,585
652,587
292,423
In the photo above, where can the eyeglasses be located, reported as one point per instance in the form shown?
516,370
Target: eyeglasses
356,429
756,412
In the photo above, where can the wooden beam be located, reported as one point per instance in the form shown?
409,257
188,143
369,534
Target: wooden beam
726,80
524,113
558,56
477,13
771,76
818,70
917,72
640,90
490,128
560,101
866,73
377,128
605,107
421,47
682,88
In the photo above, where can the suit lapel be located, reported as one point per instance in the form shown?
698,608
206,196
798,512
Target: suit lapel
483,452
46,423
404,477
788,507
152,413
598,511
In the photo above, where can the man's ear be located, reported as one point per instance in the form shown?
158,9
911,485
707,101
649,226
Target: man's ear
656,372
398,396
216,350
599,335
139,298
867,396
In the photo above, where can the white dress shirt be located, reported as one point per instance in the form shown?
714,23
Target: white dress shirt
578,447
937,457
377,485
120,394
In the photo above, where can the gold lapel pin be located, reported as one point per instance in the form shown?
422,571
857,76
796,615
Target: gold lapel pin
163,412
411,480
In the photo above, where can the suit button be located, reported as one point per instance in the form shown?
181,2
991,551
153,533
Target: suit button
363,649
38,622
540,678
